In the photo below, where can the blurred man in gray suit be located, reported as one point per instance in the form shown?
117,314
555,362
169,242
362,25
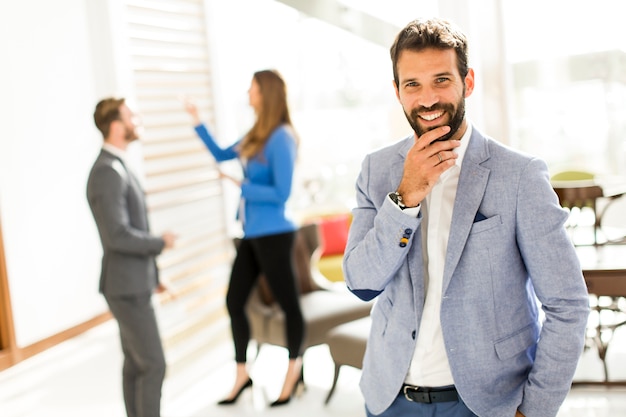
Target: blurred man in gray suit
129,271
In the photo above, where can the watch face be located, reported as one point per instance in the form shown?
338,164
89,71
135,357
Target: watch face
397,198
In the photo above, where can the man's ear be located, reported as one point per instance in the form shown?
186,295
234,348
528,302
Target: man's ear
469,82
115,126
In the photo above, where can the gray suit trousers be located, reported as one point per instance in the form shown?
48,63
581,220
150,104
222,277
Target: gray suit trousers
144,360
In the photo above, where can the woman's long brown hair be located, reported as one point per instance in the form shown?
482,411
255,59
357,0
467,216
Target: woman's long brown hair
273,112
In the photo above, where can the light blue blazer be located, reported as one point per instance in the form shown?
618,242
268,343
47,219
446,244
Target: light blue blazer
507,245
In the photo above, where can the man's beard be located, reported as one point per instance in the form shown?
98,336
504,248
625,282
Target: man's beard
455,122
130,134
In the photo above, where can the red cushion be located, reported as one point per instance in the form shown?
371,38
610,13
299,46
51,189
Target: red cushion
334,234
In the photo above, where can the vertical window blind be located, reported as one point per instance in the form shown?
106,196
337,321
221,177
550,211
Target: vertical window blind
169,56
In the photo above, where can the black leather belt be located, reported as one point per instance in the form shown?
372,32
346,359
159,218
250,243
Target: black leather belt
429,395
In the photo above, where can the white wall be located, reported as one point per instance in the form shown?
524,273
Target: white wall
50,79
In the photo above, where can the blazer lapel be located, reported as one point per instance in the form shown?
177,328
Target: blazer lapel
415,256
396,174
471,189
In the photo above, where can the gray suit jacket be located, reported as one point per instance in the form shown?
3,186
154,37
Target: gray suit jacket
507,245
119,209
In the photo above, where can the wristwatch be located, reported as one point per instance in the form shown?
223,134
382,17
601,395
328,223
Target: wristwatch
397,199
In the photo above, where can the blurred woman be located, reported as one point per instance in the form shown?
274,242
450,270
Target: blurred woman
267,154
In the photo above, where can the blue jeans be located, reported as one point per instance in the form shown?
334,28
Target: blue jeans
401,407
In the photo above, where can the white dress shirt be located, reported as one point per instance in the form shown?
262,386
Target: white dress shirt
429,366
124,156
120,153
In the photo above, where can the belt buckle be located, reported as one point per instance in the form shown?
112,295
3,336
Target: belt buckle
425,396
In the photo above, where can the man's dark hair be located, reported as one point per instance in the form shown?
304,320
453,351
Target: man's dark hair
436,33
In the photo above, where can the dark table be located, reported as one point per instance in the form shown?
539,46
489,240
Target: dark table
604,269
588,193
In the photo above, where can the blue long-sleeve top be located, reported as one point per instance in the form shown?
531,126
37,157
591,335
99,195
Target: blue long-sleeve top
267,182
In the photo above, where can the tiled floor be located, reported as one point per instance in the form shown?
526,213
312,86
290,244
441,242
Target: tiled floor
81,378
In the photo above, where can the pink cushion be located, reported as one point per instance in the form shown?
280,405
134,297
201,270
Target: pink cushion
334,234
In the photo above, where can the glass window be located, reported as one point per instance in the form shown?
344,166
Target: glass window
568,65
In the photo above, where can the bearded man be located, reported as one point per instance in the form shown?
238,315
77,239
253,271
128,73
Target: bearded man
129,271
458,236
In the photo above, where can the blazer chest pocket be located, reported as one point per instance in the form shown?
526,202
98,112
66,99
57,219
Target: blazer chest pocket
487,224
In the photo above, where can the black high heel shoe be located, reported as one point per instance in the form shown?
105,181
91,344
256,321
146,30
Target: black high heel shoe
229,401
297,390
